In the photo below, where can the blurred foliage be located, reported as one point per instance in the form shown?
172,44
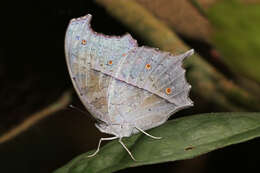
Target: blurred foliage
27,86
182,138
237,35
230,26
63,101
181,16
207,82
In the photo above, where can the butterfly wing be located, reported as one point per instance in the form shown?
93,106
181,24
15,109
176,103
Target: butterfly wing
140,98
119,82
86,53
154,71
137,107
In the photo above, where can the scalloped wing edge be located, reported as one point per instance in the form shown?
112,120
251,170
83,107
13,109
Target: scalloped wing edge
133,42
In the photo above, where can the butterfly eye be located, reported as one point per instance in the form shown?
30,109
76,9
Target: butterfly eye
148,66
110,62
168,90
83,42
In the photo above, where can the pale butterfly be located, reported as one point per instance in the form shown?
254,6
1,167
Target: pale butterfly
125,87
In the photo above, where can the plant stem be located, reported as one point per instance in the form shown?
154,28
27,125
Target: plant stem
63,101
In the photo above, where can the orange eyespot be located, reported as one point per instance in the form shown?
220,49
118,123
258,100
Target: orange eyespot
83,42
110,62
148,66
124,54
168,90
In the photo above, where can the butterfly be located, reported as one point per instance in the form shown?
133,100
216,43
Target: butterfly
128,89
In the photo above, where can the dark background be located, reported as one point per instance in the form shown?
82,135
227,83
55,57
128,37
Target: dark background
33,74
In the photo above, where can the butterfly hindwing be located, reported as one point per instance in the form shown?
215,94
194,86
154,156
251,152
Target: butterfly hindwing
139,108
157,72
138,92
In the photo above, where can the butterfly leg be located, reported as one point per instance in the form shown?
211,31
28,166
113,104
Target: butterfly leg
102,139
151,136
120,141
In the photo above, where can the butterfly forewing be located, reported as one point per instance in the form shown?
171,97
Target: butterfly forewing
86,53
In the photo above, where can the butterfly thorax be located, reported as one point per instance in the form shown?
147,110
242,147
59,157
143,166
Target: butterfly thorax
120,130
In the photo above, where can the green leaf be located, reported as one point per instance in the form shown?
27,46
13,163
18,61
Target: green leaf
183,138
236,35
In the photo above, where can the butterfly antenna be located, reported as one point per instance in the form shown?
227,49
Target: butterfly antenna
120,141
86,113
78,109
